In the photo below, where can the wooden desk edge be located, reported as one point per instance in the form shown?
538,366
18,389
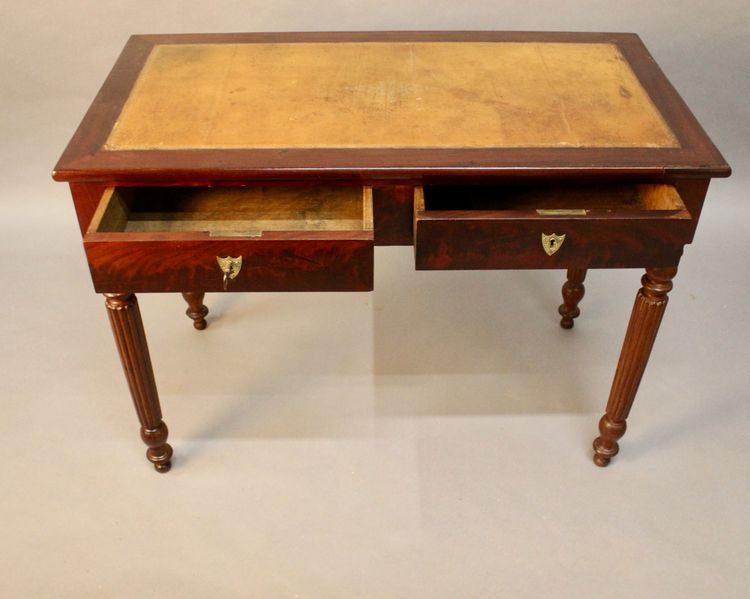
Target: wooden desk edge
85,160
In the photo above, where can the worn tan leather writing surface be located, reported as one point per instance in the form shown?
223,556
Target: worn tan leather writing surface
389,95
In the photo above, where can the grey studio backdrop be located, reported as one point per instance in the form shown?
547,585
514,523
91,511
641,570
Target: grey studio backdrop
343,445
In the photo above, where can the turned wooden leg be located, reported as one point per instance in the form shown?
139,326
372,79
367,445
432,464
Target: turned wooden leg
196,310
648,310
131,343
572,293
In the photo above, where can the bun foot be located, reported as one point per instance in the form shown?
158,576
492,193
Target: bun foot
566,321
605,446
163,467
604,452
159,452
160,457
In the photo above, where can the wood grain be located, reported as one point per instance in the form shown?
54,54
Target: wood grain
86,199
127,327
234,209
648,310
393,213
570,110
196,310
573,291
86,158
299,238
609,233
268,265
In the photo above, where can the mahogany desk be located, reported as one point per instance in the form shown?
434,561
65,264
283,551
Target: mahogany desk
276,161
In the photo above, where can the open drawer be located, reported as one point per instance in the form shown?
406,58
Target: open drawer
549,226
254,238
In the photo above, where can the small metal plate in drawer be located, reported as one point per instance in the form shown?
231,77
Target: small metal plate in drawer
235,233
562,212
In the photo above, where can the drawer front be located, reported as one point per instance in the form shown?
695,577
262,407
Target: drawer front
530,238
240,239
272,265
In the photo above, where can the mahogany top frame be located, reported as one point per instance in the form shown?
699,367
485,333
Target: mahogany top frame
85,159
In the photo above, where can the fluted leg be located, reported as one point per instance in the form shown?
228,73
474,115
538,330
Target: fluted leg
125,317
196,310
572,292
648,310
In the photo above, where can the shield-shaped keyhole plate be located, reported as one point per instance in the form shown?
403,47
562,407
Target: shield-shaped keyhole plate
230,267
552,242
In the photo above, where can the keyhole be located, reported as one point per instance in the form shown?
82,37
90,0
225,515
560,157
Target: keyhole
552,243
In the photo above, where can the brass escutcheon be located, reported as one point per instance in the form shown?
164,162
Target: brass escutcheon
230,267
552,242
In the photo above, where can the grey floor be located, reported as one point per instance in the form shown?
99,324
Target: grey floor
429,439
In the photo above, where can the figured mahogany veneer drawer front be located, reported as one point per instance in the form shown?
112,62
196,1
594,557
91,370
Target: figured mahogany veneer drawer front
549,226
279,238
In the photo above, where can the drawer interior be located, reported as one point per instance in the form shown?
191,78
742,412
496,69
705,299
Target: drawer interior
553,199
234,211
